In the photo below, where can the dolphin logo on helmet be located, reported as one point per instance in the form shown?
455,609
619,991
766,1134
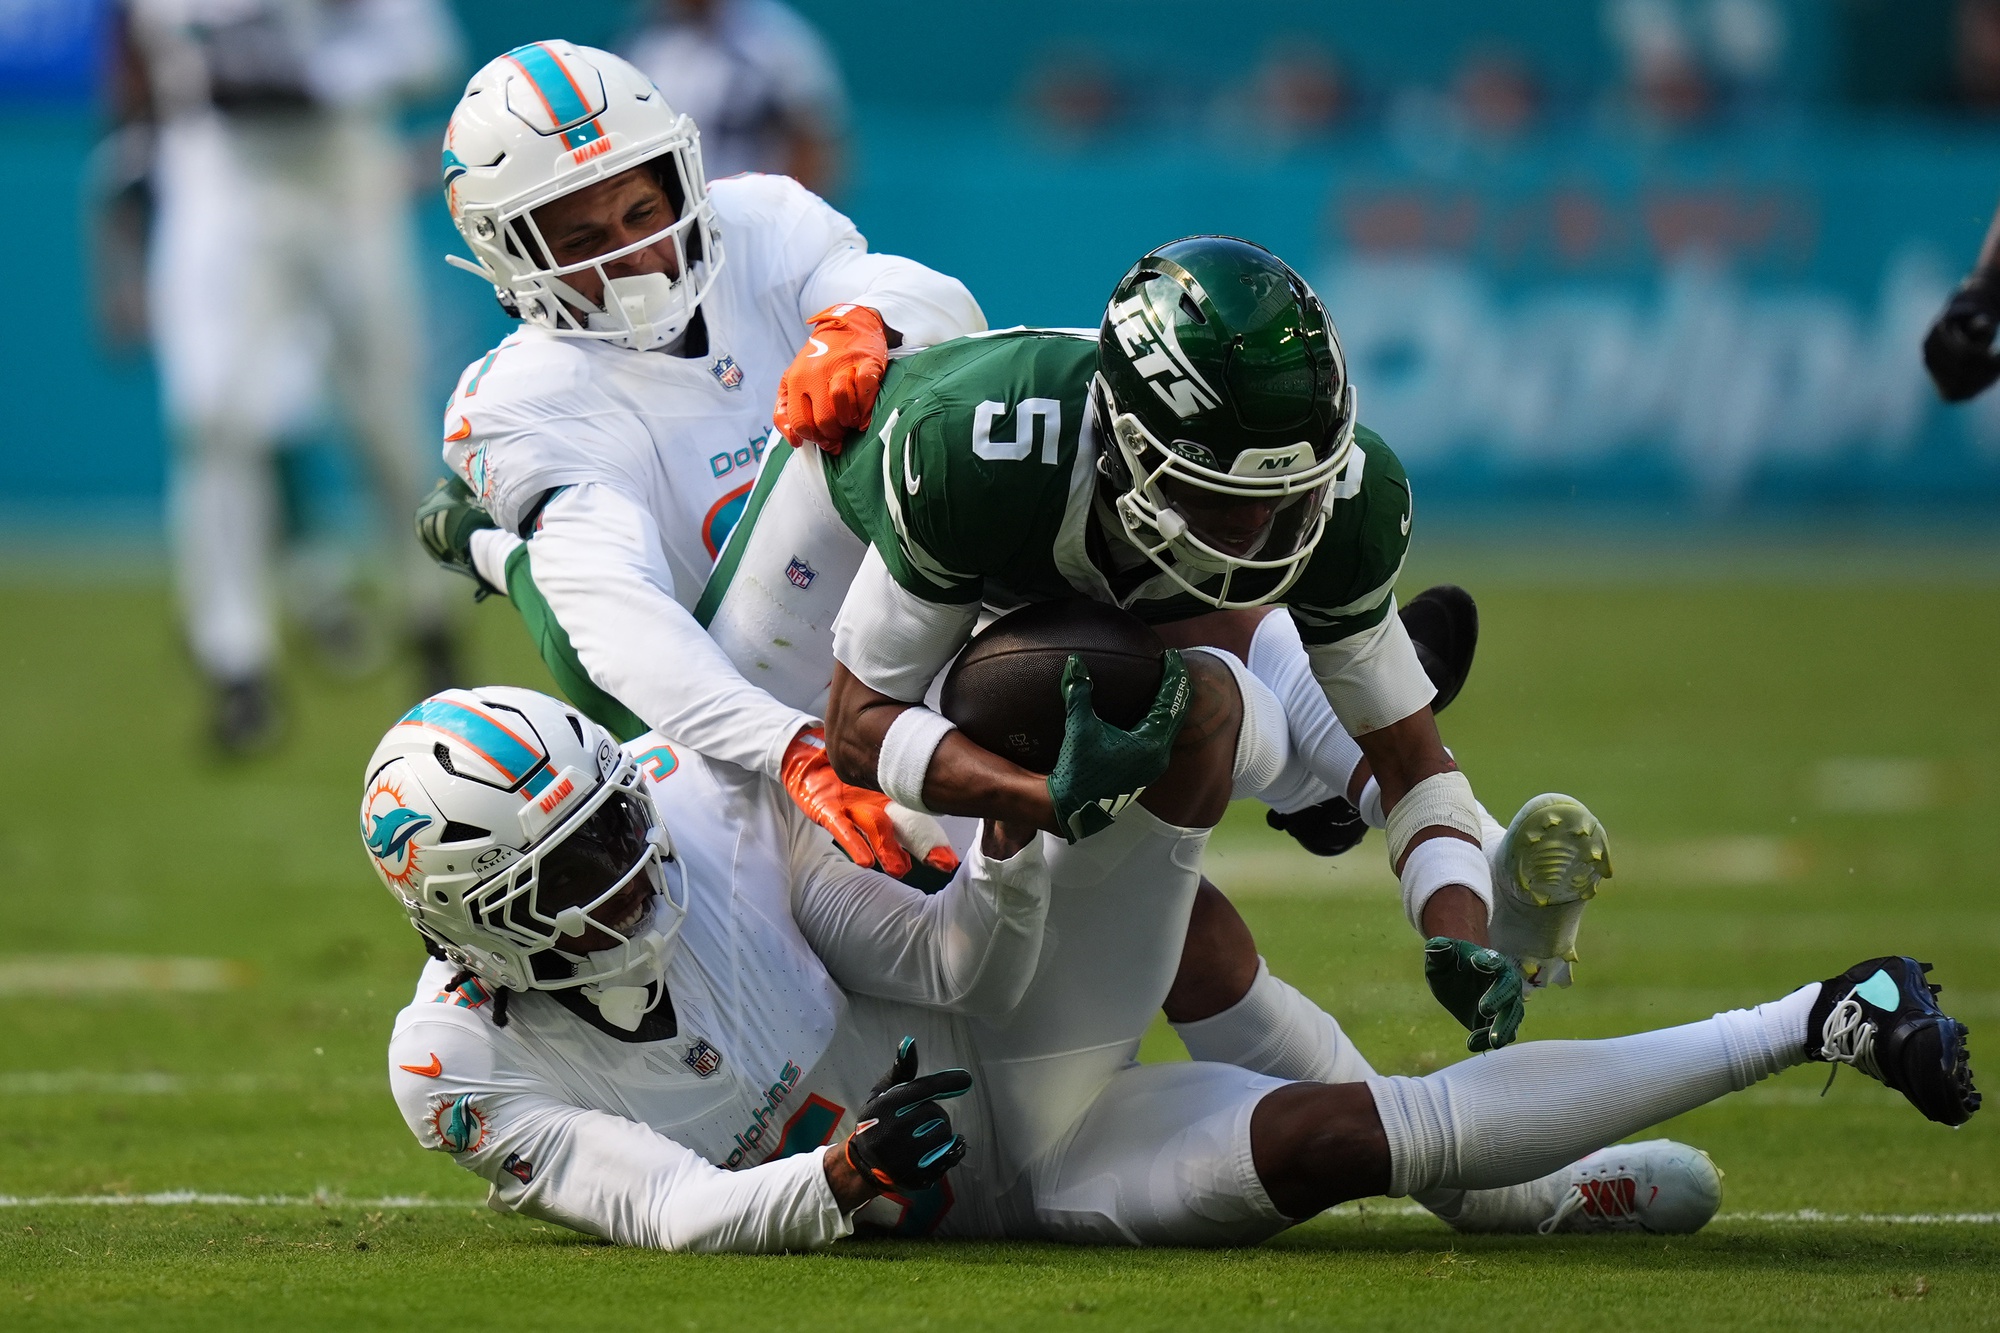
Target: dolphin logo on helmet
393,831
524,844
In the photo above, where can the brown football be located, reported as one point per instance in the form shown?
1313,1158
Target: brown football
1005,690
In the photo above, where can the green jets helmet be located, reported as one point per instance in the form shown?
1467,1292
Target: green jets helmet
1223,402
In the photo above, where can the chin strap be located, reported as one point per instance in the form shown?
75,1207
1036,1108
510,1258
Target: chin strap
622,1006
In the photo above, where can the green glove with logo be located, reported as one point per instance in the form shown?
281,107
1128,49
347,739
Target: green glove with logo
1481,987
1102,769
446,520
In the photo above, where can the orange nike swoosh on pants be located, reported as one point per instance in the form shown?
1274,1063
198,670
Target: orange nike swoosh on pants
431,1070
464,431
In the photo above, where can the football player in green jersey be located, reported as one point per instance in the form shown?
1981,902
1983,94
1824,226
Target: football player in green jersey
1197,461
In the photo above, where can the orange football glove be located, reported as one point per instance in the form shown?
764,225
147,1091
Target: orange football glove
830,387
858,819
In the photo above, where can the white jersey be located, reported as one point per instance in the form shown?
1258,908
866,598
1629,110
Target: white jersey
709,1135
659,452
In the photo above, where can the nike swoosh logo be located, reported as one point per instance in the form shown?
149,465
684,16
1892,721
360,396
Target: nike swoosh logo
464,431
1406,525
818,348
431,1070
910,480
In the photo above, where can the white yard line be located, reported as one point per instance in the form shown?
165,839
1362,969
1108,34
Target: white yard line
196,1199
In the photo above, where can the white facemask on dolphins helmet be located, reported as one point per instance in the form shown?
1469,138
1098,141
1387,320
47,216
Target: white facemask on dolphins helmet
508,825
551,118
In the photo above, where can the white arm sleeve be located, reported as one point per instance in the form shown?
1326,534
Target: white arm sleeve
923,305
971,948
600,564
596,1172
894,641
1373,678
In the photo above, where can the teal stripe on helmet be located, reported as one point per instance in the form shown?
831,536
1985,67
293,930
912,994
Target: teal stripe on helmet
558,90
512,755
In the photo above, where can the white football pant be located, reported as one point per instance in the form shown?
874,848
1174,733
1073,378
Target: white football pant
282,250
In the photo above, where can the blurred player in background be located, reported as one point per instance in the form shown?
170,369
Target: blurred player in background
757,78
280,251
1958,350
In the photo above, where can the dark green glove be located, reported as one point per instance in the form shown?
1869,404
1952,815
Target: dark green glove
1102,769
1481,988
446,520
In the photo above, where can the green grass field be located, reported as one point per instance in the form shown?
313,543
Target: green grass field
1799,766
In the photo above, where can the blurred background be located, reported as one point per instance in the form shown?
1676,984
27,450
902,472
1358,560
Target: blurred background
1636,289
1672,256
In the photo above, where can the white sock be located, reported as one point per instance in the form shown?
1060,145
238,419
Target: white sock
1277,1031
1323,756
1523,1112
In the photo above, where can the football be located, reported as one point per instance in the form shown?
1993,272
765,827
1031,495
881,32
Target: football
1005,690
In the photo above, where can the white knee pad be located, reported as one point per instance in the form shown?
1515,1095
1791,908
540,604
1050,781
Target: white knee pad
1263,742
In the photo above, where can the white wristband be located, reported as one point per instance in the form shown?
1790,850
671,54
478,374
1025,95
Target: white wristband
1442,800
906,755
1439,862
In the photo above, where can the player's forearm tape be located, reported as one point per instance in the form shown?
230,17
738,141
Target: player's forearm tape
1441,861
1263,741
906,755
1442,800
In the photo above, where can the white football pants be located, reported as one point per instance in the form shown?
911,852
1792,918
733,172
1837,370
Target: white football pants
282,251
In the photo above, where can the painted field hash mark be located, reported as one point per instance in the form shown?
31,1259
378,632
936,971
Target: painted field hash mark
96,974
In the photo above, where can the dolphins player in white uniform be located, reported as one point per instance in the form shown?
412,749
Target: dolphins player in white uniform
281,267
620,428
659,993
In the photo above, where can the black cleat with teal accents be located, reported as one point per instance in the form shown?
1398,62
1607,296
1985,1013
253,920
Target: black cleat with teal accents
1882,1017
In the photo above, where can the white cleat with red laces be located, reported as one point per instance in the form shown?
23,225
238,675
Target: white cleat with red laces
1659,1186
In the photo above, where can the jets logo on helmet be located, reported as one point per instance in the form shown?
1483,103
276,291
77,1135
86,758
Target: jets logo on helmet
522,843
548,119
1148,338
1223,401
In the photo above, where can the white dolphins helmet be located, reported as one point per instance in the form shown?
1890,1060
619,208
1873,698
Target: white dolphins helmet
548,119
505,822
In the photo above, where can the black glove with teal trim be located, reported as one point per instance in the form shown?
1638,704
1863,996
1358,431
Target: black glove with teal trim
1102,769
904,1141
1480,987
446,520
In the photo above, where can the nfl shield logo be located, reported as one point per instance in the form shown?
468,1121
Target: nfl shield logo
702,1058
800,573
727,373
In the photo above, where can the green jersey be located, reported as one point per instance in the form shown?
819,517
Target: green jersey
976,481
